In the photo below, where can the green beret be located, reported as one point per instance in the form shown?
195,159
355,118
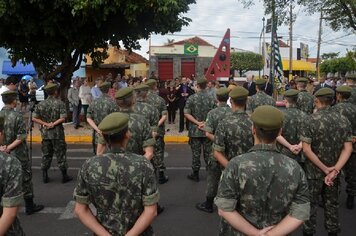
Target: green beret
267,118
9,93
201,80
141,87
124,93
324,92
260,81
351,75
291,93
105,85
302,80
222,92
50,86
344,89
151,82
238,93
114,123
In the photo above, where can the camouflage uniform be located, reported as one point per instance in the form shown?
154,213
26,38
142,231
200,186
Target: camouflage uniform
15,129
198,105
259,99
141,135
160,104
305,102
11,189
326,132
53,141
352,99
233,135
98,109
291,131
264,186
349,111
120,182
148,111
214,117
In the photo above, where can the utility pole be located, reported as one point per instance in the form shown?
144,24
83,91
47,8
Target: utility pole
274,25
291,41
319,44
260,49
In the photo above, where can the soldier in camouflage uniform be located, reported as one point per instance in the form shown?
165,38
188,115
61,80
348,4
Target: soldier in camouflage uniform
98,109
213,168
305,100
351,81
263,190
233,135
289,142
196,110
50,115
15,144
121,185
347,109
327,143
158,102
11,194
260,98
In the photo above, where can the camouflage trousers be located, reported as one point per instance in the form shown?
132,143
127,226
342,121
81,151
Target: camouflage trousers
197,145
158,159
57,147
330,196
26,166
350,175
212,178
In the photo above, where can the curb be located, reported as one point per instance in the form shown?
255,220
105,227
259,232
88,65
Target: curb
88,139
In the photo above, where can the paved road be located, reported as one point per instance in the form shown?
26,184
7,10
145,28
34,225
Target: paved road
179,196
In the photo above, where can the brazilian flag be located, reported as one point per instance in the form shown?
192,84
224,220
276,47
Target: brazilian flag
191,49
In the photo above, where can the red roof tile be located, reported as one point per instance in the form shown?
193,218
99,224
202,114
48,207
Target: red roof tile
195,40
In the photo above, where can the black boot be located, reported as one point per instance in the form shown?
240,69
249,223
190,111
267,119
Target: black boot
350,202
332,234
194,176
66,178
162,178
45,176
31,207
306,234
160,209
206,206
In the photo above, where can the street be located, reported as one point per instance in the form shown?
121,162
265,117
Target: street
178,196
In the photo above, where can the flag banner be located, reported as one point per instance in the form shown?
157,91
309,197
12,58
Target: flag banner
191,49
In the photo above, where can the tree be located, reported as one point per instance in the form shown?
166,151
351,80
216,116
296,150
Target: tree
331,55
54,35
340,65
245,61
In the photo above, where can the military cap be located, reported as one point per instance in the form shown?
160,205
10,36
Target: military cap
201,80
151,82
50,86
267,118
260,81
2,122
351,75
124,93
302,80
114,123
238,93
105,85
344,89
324,92
291,93
142,87
222,92
9,93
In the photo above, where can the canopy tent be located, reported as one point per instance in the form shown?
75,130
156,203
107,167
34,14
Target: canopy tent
299,65
19,69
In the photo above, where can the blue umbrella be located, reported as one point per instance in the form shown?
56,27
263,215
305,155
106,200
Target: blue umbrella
27,77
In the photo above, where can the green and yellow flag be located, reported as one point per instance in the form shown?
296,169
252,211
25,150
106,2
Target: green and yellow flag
191,49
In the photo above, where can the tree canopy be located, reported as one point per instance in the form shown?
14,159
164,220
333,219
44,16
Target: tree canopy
245,61
340,65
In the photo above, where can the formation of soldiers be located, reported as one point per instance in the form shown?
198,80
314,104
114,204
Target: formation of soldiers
266,169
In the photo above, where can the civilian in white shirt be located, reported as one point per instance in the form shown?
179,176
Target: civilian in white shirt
73,98
85,96
10,84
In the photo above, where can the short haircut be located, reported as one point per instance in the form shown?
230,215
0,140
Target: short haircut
141,94
116,137
9,99
11,80
202,85
239,101
292,100
267,136
104,89
326,100
126,102
345,95
222,98
51,91
261,87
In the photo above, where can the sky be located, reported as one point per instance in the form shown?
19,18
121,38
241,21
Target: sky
211,18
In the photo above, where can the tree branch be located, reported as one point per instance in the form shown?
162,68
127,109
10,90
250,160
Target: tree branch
349,14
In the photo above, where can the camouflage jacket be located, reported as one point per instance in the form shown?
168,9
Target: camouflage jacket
15,128
119,184
259,99
198,105
100,108
49,111
352,99
149,112
305,102
291,131
11,189
160,104
141,135
326,131
264,186
348,110
233,135
215,116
